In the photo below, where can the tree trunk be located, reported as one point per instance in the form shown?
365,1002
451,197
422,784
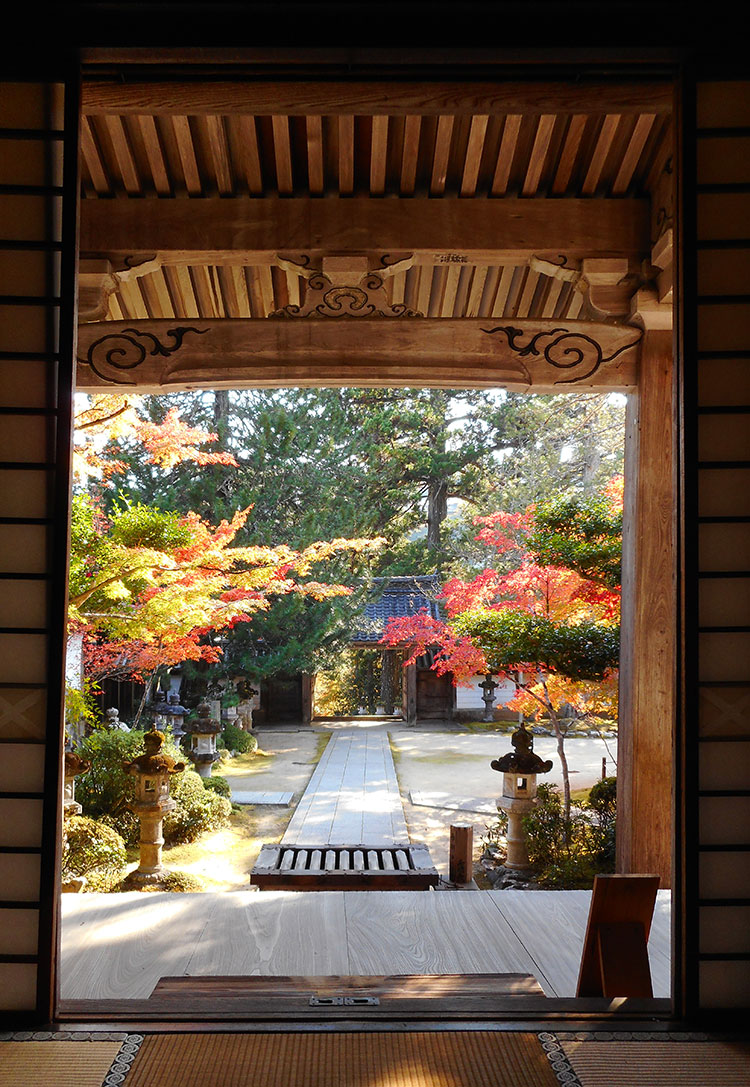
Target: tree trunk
560,737
221,426
437,511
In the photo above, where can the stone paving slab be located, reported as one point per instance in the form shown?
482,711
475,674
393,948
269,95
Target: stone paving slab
241,796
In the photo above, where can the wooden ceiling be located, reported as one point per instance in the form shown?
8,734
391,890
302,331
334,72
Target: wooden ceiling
203,145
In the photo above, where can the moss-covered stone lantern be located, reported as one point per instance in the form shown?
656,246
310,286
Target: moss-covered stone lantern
519,769
74,765
152,771
203,732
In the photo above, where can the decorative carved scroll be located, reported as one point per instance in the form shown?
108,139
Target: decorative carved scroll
323,298
562,348
117,352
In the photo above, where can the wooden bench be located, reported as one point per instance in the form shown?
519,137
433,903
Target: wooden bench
406,867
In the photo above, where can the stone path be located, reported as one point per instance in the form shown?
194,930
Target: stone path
352,797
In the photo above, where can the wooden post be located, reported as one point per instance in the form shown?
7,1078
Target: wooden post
461,864
308,683
649,604
410,694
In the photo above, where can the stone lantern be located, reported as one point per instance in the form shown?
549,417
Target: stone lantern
204,730
519,769
489,686
175,715
159,709
245,714
114,722
74,765
152,771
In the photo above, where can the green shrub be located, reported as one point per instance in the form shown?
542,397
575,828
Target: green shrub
602,803
106,790
236,739
93,850
218,784
569,853
198,810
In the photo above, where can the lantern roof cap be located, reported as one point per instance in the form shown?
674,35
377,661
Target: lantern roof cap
522,760
152,761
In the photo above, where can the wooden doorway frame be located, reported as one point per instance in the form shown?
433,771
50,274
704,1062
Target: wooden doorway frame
649,586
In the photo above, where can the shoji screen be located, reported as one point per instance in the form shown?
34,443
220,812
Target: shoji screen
723,335
37,266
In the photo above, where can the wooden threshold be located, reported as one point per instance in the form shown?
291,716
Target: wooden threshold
345,1000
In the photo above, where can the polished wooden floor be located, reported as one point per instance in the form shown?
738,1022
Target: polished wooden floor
117,947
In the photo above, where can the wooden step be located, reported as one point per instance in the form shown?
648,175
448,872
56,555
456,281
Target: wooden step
400,867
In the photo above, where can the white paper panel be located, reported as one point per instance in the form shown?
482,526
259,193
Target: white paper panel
25,272
724,820
19,932
724,875
23,383
724,602
23,658
723,104
22,768
724,328
25,438
724,766
723,159
720,270
20,822
724,492
724,437
19,877
23,105
724,547
24,163
23,549
724,929
23,604
723,381
724,657
24,493
723,215
725,984
23,327
22,714
17,986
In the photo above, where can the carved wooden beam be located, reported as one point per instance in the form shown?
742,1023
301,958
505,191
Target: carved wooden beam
95,285
539,356
277,97
497,231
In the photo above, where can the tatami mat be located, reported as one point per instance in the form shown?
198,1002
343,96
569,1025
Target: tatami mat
649,1063
440,1059
56,1064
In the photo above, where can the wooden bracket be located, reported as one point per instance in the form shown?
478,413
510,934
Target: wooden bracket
614,962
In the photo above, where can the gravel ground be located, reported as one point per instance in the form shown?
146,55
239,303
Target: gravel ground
457,762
